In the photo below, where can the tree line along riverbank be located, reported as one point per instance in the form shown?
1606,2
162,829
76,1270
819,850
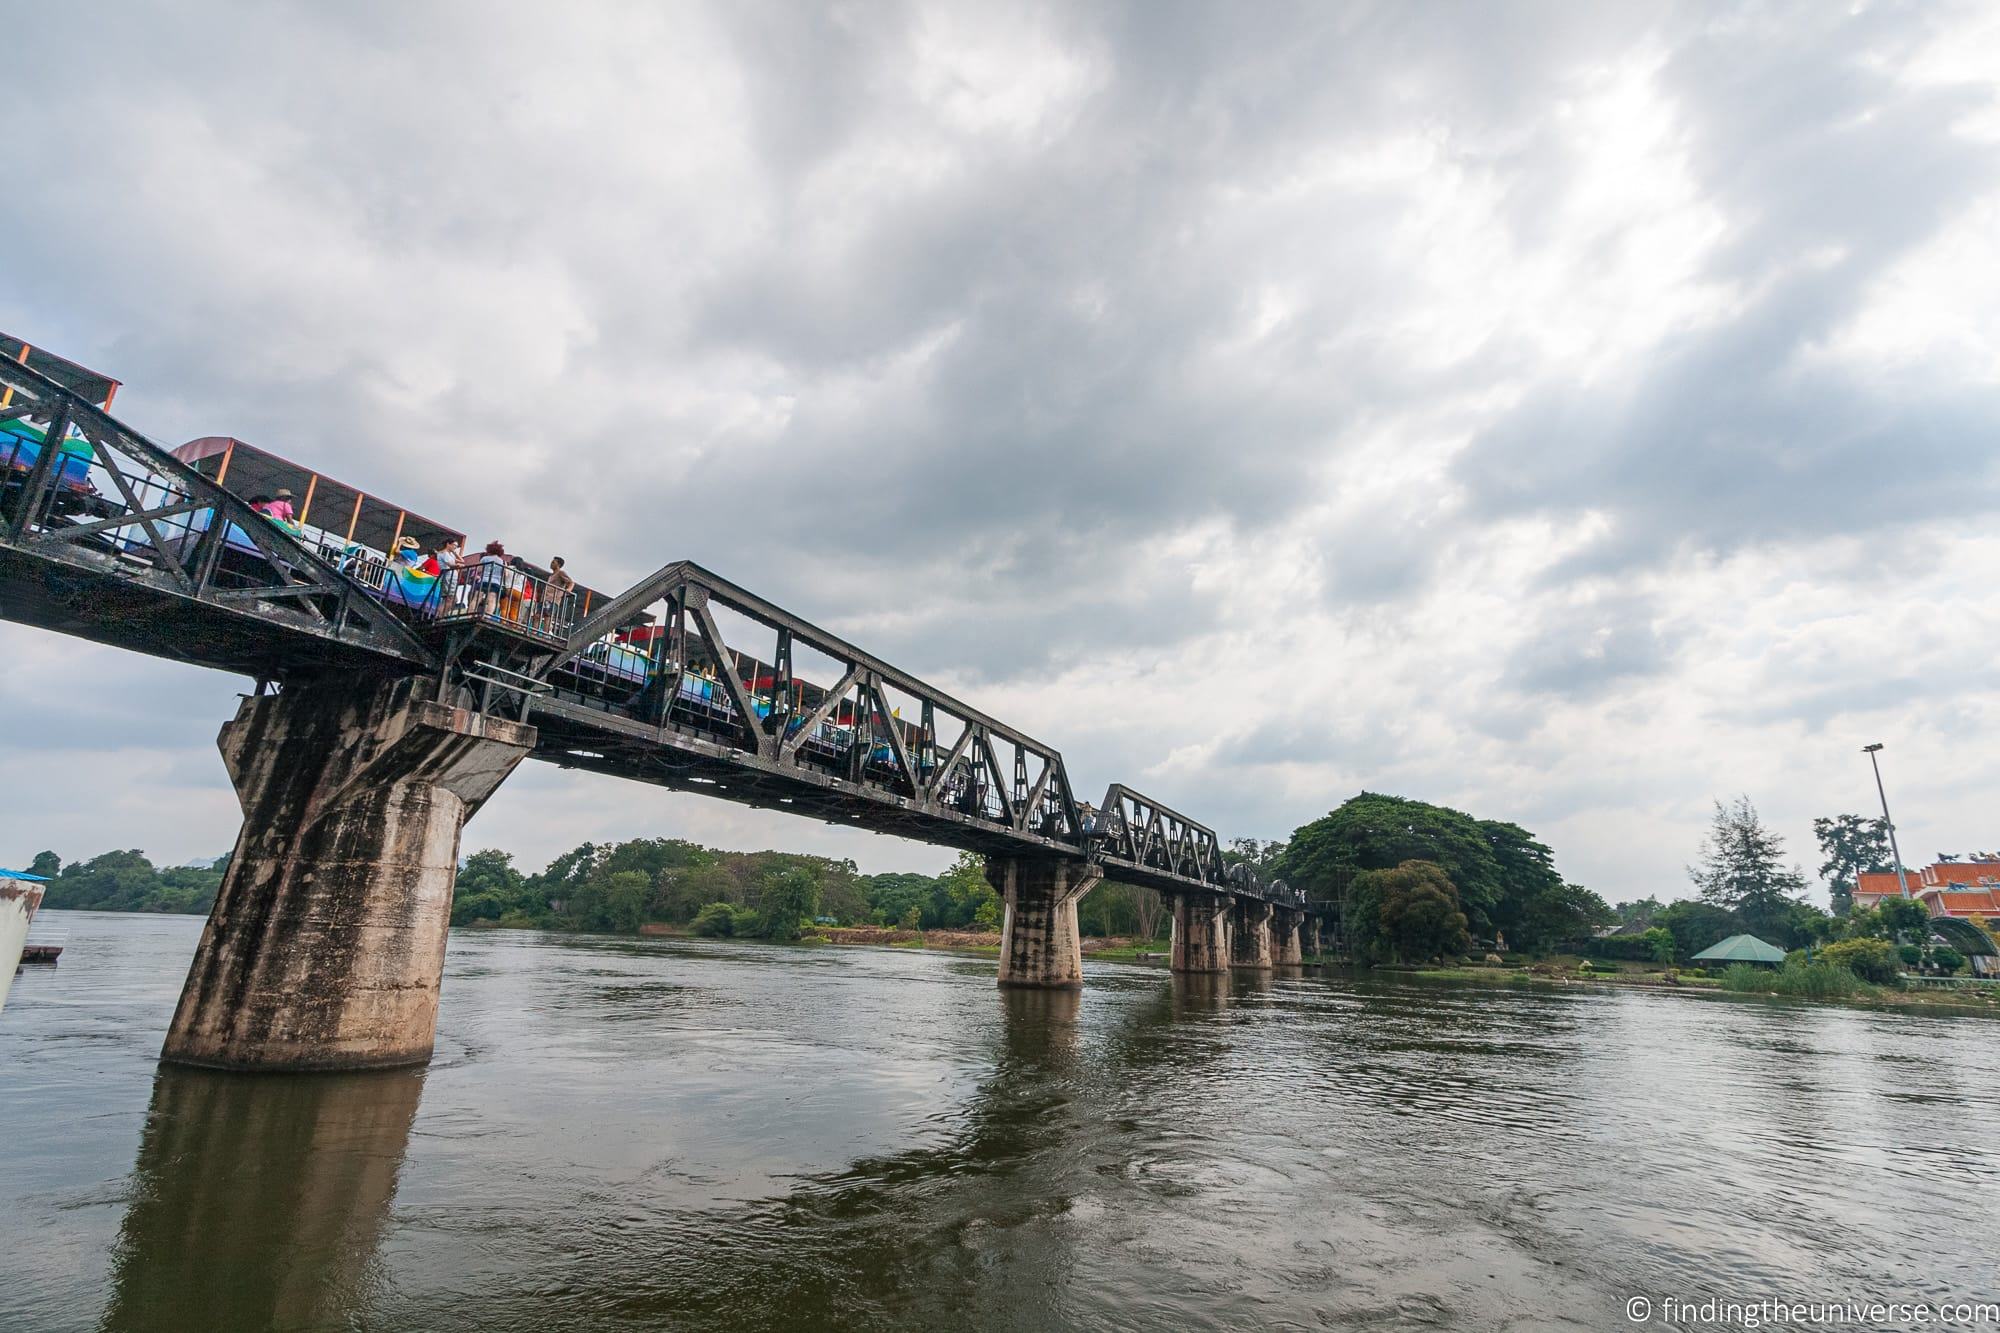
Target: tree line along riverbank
1399,883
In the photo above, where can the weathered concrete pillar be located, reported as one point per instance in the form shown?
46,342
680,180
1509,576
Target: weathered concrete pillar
1038,940
1287,924
326,943
1310,933
1251,934
1201,933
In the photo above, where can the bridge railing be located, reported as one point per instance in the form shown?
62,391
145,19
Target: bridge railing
507,597
80,488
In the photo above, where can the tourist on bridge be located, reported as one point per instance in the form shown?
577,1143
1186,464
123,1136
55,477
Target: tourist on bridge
562,594
492,578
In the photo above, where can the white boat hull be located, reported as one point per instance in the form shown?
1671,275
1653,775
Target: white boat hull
18,901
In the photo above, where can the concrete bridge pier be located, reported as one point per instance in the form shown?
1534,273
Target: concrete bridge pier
1309,936
325,946
1251,934
1039,945
1201,933
1287,927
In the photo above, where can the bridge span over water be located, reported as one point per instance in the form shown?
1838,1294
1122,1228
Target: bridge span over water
394,694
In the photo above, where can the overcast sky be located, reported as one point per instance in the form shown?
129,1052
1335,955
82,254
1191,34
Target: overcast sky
1568,413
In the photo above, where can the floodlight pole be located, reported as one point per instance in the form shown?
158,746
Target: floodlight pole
1901,881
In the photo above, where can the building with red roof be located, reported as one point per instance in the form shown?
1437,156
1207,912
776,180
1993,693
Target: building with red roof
1967,889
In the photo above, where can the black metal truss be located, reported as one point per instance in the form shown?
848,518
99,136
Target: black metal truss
126,551
1138,840
1026,802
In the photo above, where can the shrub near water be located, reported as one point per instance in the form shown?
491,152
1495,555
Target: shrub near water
1871,960
1812,981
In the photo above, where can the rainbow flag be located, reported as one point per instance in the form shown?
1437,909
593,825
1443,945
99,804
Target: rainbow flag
411,580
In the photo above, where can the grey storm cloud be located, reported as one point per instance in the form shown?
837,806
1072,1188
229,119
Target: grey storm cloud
1201,378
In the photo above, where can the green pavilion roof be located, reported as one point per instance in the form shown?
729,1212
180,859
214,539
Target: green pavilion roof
1741,949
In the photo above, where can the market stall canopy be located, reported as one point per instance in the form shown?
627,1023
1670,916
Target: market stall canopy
79,380
332,506
1741,949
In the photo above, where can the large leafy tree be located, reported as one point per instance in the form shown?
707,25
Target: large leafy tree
1376,832
1558,913
1850,845
1410,913
488,888
1742,869
1534,908
789,900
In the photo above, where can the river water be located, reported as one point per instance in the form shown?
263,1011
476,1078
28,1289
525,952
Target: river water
637,1133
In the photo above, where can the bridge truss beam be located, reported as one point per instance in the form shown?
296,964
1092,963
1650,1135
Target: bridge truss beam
106,535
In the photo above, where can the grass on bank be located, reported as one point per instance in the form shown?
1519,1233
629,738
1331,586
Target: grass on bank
1809,981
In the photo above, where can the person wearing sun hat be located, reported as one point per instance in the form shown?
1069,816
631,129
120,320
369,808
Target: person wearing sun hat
281,507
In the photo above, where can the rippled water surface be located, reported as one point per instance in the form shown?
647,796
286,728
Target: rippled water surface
624,1133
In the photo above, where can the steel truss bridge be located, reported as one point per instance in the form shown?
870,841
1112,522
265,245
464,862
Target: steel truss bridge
685,680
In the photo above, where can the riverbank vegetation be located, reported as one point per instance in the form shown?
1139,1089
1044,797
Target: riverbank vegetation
1419,881
125,881
1394,882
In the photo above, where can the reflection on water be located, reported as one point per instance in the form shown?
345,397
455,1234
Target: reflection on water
654,1134
259,1201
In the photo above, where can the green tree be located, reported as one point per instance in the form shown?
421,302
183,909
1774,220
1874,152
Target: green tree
1264,855
1871,960
1412,913
1640,909
1946,959
790,898
614,903
1741,870
1376,832
1556,914
46,864
891,897
1851,844
716,920
1533,908
1904,919
965,889
1661,941
488,888
1697,925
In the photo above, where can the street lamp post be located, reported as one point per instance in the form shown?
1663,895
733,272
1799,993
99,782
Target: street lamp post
1901,881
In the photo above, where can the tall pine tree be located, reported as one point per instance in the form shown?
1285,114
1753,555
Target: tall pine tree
1742,869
